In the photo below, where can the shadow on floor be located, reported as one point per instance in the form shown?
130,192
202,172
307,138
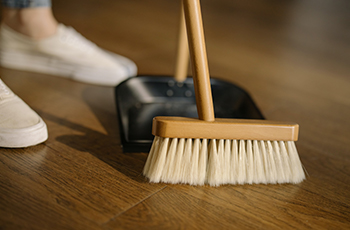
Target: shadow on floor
106,147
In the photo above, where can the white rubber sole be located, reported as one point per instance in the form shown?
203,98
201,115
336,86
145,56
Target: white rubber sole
21,138
50,65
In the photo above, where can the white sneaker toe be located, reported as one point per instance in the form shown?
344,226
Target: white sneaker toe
20,126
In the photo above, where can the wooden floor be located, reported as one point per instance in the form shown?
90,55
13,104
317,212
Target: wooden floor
292,56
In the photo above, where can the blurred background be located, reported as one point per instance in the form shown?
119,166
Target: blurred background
292,56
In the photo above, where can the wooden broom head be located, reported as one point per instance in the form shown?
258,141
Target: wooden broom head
221,128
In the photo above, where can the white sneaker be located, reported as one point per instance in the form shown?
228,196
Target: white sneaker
67,54
20,126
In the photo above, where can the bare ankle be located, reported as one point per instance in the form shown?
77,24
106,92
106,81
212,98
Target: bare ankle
37,23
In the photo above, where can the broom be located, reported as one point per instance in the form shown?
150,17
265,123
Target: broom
219,151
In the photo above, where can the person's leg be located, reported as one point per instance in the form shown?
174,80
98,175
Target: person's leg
33,18
37,23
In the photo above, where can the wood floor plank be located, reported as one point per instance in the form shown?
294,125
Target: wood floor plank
317,203
84,167
244,207
291,56
31,199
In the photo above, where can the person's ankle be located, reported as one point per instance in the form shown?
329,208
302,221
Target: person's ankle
37,23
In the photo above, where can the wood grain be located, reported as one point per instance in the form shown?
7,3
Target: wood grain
293,57
221,128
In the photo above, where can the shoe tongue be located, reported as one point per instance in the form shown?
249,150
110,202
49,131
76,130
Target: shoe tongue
5,91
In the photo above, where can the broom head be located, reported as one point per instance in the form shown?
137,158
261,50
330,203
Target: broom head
224,151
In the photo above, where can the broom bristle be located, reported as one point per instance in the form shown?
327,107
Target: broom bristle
217,162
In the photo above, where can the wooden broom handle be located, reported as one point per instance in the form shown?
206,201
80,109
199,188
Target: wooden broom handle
182,60
201,77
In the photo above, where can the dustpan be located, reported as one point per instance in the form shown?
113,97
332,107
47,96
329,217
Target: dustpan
141,98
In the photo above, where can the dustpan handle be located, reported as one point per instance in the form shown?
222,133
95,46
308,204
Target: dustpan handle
182,59
198,54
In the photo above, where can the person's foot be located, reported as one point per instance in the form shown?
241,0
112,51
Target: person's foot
67,54
20,126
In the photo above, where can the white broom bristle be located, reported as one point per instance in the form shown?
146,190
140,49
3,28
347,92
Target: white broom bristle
242,163
193,177
259,165
234,162
227,162
186,162
272,169
250,163
214,168
203,161
217,162
157,165
170,162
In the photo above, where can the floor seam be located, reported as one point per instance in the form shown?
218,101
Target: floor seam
121,213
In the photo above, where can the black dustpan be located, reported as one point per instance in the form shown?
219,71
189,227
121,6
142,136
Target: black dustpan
141,98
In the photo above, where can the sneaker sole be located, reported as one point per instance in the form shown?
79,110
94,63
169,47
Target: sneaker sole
48,65
21,138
